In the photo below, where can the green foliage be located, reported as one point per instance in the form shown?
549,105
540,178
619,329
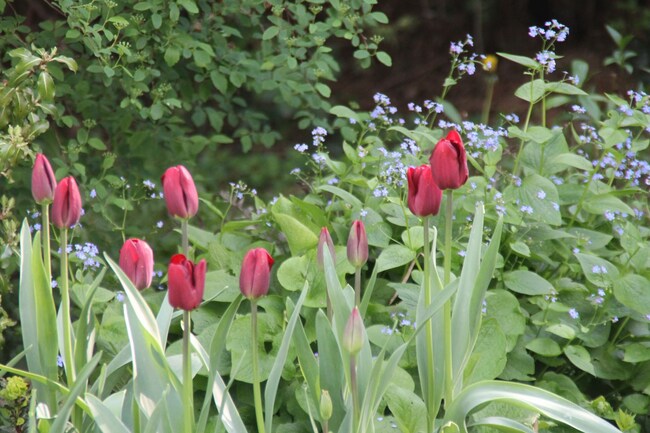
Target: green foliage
14,401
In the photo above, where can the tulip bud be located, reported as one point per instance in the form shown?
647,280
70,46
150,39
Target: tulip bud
325,405
255,275
358,244
449,162
136,260
43,180
353,333
324,239
424,196
66,207
180,192
186,282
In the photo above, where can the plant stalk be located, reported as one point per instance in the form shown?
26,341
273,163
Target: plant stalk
188,393
449,384
429,397
357,286
185,238
257,393
65,312
355,393
47,259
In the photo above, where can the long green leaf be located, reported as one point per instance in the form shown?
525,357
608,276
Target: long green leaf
528,397
503,424
271,388
308,363
331,368
85,329
106,421
63,413
37,315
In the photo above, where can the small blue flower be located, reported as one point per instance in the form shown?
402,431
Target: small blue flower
574,314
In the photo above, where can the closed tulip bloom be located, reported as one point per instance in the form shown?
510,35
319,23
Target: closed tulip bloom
43,180
186,282
66,207
324,239
424,196
255,275
136,260
180,192
353,333
358,244
449,162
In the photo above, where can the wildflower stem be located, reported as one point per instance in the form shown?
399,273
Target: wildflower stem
188,394
47,260
449,385
257,393
528,115
65,311
357,286
429,397
489,93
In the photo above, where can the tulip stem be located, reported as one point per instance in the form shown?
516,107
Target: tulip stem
45,213
257,393
188,394
357,286
185,238
429,397
449,385
355,393
65,311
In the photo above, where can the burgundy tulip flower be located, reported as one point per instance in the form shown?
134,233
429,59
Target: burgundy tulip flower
43,180
449,162
66,207
324,239
186,282
255,275
180,192
136,260
358,244
424,196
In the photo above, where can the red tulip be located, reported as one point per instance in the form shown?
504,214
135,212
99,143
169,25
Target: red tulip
324,239
449,162
255,275
136,260
180,193
66,207
424,196
358,244
43,180
186,282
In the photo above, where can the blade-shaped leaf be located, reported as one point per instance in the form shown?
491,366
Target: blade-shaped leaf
106,421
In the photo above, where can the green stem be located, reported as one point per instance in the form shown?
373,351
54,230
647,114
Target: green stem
528,115
449,385
188,394
355,393
185,238
357,286
47,259
257,393
428,298
65,312
489,93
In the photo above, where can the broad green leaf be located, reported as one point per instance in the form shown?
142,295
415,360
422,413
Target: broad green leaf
503,306
270,33
408,408
599,204
564,88
344,112
572,160
293,272
384,58
632,291
488,357
524,61
394,256
544,346
597,270
527,283
636,352
531,91
540,194
579,356
299,236
45,86
343,194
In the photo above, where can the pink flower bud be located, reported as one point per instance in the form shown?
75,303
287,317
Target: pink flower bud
255,275
424,196
324,239
186,282
180,192
358,244
449,162
353,333
66,207
136,260
43,180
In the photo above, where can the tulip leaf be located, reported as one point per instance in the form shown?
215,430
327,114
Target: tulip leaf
105,419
